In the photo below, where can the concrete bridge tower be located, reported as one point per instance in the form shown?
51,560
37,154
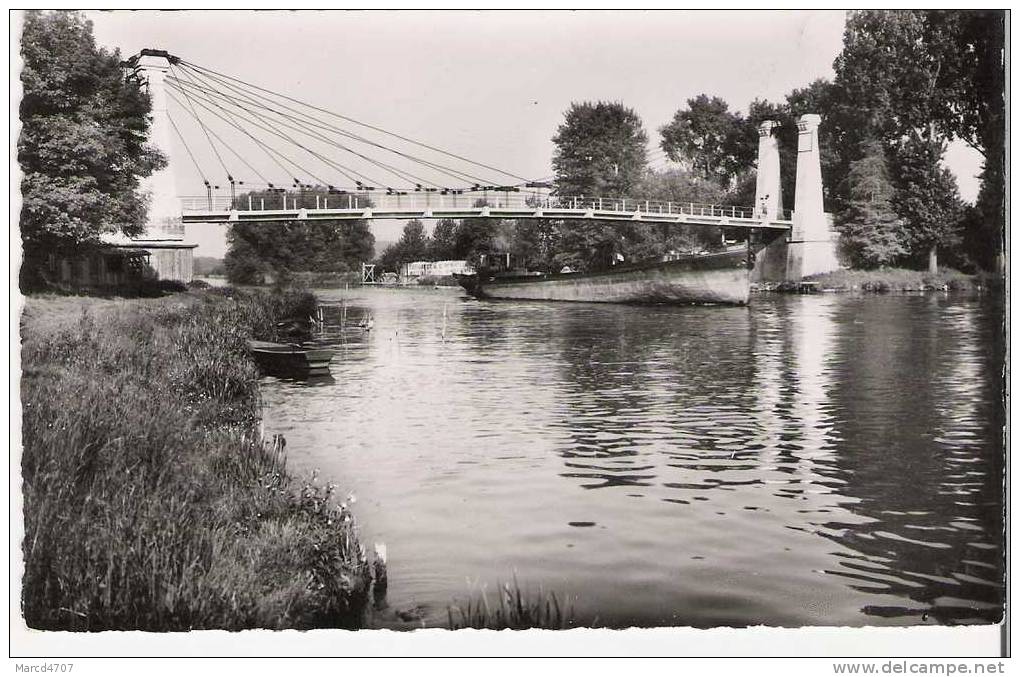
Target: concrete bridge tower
768,194
810,246
170,256
768,205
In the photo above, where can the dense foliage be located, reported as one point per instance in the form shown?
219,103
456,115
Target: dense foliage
873,235
915,80
258,250
599,150
708,139
908,81
82,145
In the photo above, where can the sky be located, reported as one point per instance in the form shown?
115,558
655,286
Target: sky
491,86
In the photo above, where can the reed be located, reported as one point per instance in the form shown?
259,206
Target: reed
513,609
150,500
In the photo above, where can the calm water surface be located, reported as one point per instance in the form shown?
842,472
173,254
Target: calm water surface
806,460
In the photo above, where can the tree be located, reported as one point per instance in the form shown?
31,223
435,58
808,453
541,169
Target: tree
973,79
705,137
413,245
871,234
443,245
242,262
927,198
533,243
887,75
681,185
82,146
335,246
600,151
933,75
476,237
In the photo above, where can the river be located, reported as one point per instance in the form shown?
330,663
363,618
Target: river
806,460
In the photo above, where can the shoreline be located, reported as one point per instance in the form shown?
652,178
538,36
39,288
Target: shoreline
151,502
883,281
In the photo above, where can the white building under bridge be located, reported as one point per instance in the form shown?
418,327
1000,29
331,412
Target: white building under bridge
435,269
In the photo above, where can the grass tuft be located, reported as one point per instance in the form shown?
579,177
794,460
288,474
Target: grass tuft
514,609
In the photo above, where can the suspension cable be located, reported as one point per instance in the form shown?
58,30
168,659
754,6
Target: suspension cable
284,136
187,148
273,125
321,124
266,148
357,122
207,137
304,127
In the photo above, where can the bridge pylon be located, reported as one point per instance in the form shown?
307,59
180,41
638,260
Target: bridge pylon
170,256
164,218
810,246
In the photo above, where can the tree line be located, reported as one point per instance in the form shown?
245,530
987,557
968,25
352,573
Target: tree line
257,250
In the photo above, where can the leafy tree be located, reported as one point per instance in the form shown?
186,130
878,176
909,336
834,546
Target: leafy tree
476,237
414,242
972,77
82,146
242,262
681,185
706,138
887,75
534,243
297,246
443,245
934,75
927,198
872,234
413,245
720,145
600,151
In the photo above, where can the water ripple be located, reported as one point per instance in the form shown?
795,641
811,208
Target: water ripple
809,460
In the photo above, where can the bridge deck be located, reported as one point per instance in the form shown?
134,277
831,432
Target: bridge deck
508,206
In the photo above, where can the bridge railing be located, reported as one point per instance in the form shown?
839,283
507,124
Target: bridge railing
495,200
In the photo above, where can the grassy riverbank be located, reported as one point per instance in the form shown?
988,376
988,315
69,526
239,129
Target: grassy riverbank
150,500
900,280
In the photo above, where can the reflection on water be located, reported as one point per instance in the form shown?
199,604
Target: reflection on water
819,460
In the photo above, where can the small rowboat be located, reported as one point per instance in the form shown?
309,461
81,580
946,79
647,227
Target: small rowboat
274,358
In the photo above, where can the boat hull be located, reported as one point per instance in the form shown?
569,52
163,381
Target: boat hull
723,277
283,359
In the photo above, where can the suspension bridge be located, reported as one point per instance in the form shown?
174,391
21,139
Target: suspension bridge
266,157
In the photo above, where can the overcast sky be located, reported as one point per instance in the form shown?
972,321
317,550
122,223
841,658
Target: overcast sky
493,86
